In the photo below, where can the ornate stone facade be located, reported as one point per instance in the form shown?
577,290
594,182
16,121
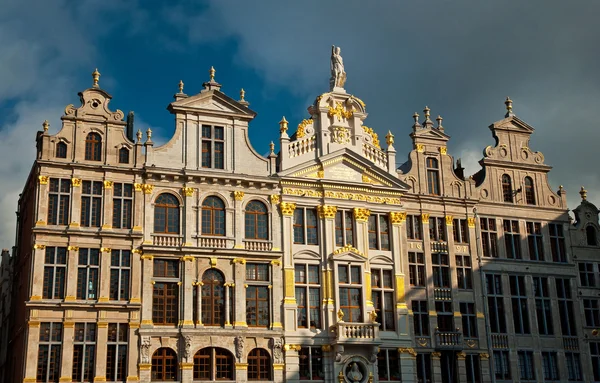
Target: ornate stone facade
321,262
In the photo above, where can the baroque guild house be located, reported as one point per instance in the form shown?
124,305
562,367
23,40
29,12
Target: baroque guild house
201,260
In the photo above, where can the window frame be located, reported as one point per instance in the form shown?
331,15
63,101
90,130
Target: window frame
172,214
507,189
379,238
464,271
124,155
262,318
166,289
535,240
495,302
116,368
209,144
215,356
432,167
306,226
256,219
566,303
460,230
489,237
557,243
414,227
213,218
502,364
550,366
160,365
344,230
421,318
212,316
122,205
55,283
417,271
391,366
59,201
520,312
88,274
61,149
469,320
437,229
49,362
512,239
93,147
529,191
440,267
258,370
381,294
308,358
526,365
86,345
345,289
306,285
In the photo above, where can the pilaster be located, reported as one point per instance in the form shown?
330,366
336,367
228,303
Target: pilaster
239,270
133,350
277,294
107,214
188,224
289,302
138,207
327,214
361,216
71,282
42,197
238,197
147,287
436,366
33,337
39,254
186,372
104,281
241,372
408,366
101,351
66,369
75,203
136,283
187,280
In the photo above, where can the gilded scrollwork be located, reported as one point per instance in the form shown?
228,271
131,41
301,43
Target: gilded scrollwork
361,214
327,211
287,208
397,217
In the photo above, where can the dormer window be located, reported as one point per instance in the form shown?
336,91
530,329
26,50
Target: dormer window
433,176
529,191
213,145
590,233
507,193
123,156
61,150
93,147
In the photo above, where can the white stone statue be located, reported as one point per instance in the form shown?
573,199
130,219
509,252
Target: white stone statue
338,74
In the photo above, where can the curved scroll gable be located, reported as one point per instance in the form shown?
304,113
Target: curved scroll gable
94,106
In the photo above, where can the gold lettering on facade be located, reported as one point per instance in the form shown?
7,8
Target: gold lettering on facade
348,248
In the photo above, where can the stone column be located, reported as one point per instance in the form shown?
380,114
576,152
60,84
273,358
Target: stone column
276,294
188,294
107,216
101,351
241,372
238,197
104,282
66,369
42,197
239,270
227,306
198,287
278,372
133,348
33,337
138,208
136,282
361,216
189,227
71,282
147,287
289,301
147,208
187,372
327,213
75,203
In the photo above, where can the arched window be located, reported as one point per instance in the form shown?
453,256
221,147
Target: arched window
213,216
590,233
256,220
61,150
507,192
433,176
213,363
93,147
164,365
259,365
166,214
213,298
529,191
123,156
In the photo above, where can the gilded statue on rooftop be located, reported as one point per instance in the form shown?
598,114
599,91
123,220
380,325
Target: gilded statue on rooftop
338,74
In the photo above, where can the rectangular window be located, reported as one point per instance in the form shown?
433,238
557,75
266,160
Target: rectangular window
306,226
165,303
535,241
512,239
59,201
388,365
464,272
519,304
351,299
595,355
258,295
587,275
592,312
416,269
441,269
473,368
413,227
116,353
382,287
526,365
557,242
120,275
122,205
565,307
445,316
91,203
308,295
461,231
502,365
49,352
550,366
496,303
213,144
87,273
437,228
489,237
166,268
424,368
469,319
543,305
310,360
84,352
55,272
573,366
344,228
420,318
379,232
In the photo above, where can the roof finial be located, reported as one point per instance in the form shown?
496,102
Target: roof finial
508,104
439,120
427,123
96,77
583,193
180,86
389,138
212,73
139,135
149,134
242,99
416,117
272,147
283,125
426,111
45,125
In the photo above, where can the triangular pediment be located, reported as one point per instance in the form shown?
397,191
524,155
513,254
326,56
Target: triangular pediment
513,124
348,253
432,134
211,102
345,166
